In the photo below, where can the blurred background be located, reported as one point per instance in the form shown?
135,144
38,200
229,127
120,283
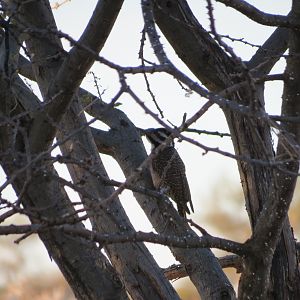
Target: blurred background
27,273
26,270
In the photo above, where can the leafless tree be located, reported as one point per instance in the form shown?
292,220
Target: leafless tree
31,127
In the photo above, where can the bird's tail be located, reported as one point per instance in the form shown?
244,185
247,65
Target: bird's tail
183,210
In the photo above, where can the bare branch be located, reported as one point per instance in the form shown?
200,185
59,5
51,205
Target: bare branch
229,261
132,237
269,53
71,73
258,16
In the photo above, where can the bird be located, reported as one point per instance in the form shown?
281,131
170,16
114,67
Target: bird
168,170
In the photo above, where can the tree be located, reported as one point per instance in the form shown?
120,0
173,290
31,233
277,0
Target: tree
32,126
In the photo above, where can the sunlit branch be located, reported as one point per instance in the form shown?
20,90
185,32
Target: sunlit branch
229,261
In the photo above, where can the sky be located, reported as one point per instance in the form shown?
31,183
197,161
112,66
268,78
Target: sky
203,170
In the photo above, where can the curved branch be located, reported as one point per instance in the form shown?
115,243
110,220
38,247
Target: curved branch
258,16
273,220
206,241
75,66
269,53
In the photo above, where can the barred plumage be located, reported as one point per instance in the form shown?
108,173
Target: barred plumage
168,171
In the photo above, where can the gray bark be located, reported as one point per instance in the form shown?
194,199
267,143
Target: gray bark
251,138
28,127
58,76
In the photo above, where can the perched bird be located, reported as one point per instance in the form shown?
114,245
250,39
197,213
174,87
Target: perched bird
168,170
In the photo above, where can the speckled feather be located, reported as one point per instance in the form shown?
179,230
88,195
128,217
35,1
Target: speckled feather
168,167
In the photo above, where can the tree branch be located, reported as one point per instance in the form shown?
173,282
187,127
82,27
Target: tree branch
269,53
272,223
250,136
60,93
206,241
258,16
229,261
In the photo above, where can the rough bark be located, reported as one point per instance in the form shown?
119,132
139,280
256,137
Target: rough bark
139,271
81,144
289,265
251,137
201,265
270,263
46,202
59,75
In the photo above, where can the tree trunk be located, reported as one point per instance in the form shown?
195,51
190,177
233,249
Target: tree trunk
251,138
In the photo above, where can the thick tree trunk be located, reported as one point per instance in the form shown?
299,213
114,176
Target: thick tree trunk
251,138
139,272
45,201
286,267
59,76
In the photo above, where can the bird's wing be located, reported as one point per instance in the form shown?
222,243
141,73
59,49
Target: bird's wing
169,166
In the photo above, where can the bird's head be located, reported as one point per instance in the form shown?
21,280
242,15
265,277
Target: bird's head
158,136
